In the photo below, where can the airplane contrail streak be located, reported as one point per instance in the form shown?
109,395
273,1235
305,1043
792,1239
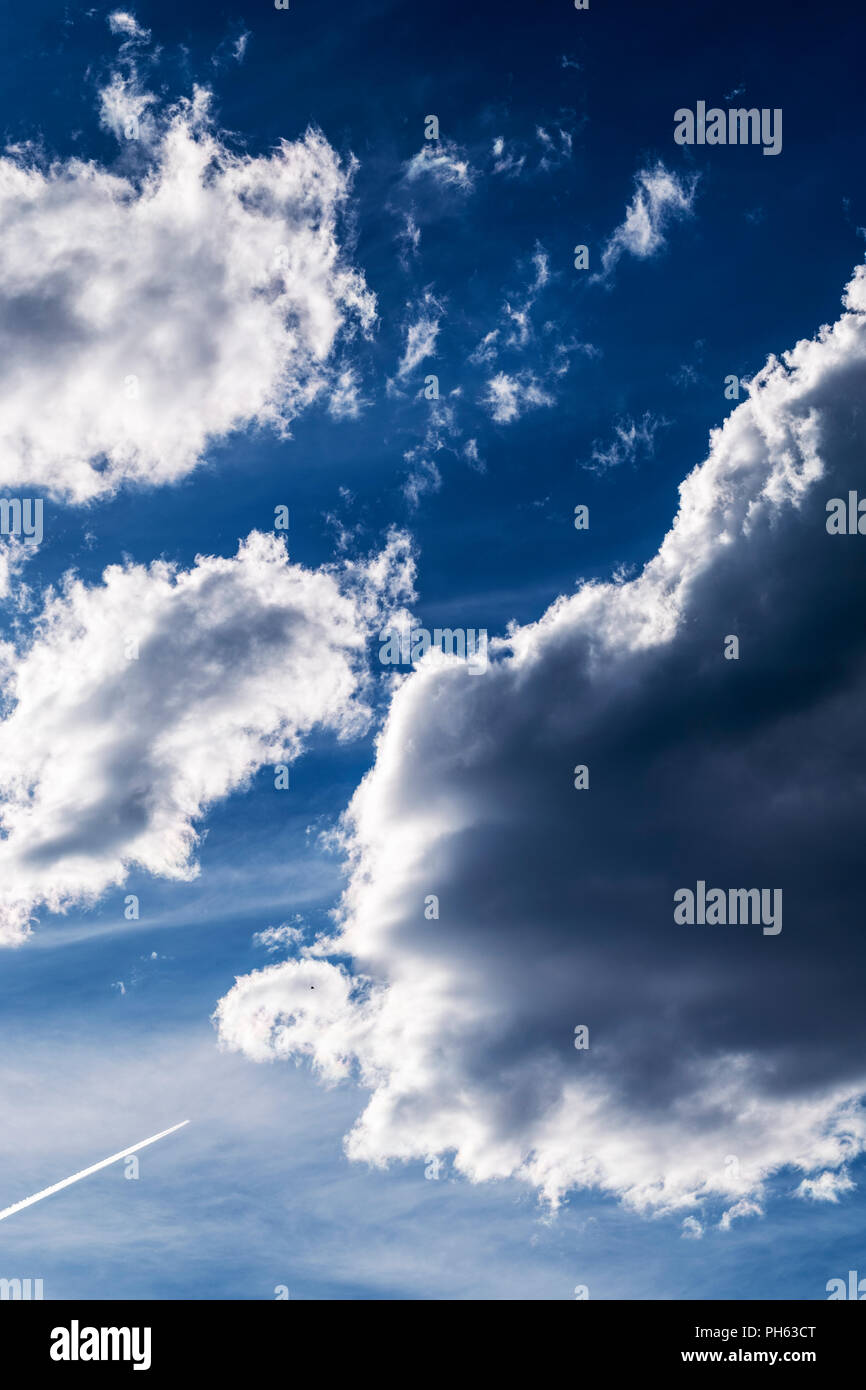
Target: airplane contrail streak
85,1172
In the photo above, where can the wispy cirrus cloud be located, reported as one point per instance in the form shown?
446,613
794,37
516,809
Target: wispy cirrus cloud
444,163
630,439
422,331
660,198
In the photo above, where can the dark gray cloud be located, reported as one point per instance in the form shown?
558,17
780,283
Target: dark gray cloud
718,1054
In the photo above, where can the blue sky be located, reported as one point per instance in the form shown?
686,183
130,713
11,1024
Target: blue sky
557,387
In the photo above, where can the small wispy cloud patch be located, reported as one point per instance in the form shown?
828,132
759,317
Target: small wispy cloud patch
508,397
660,198
122,22
421,335
443,162
630,439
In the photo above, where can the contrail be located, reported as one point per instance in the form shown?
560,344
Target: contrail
85,1172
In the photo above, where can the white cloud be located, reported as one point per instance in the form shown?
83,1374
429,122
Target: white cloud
555,906
472,456
127,110
443,162
744,1207
142,700
825,1188
441,432
421,336
345,400
517,331
487,349
122,22
659,198
509,397
408,239
286,935
423,477
146,317
630,437
506,162
514,158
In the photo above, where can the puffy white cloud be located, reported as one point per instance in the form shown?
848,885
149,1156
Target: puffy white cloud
127,110
659,198
281,937
825,1188
142,700
147,314
492,908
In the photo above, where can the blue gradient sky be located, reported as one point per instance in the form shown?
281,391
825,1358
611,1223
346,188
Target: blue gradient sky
256,1191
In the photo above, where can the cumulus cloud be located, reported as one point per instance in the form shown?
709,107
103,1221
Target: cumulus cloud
492,908
142,700
147,314
660,197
